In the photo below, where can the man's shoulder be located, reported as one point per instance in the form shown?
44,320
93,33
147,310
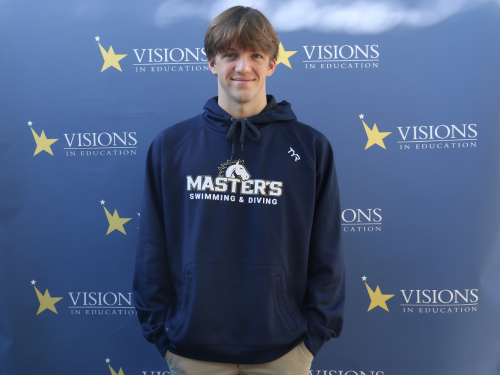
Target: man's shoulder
179,132
305,129
172,137
182,129
302,133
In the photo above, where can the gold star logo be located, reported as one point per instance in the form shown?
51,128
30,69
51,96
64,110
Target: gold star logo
283,56
110,59
377,298
113,371
375,136
42,143
46,301
115,222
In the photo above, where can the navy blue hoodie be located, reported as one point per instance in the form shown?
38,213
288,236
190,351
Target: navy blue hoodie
240,260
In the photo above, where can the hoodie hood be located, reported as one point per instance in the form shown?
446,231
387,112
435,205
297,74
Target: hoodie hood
221,121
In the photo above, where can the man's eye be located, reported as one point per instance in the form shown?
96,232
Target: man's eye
229,55
257,56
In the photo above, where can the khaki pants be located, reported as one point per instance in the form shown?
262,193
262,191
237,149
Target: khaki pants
295,362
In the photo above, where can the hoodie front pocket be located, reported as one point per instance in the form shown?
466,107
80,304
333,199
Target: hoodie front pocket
232,304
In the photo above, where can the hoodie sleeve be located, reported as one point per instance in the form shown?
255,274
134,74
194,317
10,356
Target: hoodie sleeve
151,287
326,280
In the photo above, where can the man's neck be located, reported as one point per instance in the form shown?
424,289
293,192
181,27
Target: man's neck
243,110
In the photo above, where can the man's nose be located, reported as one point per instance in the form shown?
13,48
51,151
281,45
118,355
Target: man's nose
243,64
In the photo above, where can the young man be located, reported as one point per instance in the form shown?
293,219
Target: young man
239,264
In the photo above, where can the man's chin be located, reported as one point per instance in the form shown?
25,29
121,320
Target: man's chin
243,99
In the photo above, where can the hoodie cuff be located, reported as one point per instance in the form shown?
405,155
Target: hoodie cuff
162,343
314,339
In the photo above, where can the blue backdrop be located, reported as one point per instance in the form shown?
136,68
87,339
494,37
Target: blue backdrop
408,94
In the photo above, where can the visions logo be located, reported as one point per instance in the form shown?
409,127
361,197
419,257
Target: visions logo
158,59
375,137
101,303
171,59
115,221
362,220
440,301
437,137
427,301
88,303
46,301
42,142
334,57
346,56
101,144
110,58
89,144
377,299
425,137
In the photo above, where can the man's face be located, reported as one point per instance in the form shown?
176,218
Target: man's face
241,74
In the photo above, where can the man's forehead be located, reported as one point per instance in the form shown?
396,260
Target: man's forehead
235,47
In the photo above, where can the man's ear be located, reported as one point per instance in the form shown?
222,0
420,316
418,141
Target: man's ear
271,68
212,66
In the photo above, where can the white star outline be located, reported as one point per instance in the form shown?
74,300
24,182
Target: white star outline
97,38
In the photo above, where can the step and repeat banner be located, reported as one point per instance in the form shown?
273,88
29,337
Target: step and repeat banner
408,94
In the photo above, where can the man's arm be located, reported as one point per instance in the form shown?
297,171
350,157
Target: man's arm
325,281
151,280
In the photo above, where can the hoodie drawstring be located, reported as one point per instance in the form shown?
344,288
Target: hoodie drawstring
243,122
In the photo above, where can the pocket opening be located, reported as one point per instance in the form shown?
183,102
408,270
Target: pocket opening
283,303
185,300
